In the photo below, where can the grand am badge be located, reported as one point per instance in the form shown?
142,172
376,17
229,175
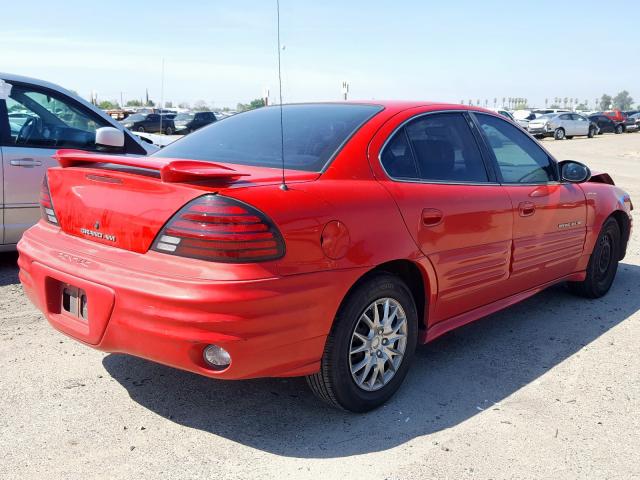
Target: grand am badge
93,233
569,224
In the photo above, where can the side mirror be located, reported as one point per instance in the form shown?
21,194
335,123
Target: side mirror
110,137
574,172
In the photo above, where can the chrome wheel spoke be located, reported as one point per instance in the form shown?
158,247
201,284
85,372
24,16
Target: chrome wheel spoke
378,344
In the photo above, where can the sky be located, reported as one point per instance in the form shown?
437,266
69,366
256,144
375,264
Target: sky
225,52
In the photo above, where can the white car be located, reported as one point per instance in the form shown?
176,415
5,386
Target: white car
561,126
36,119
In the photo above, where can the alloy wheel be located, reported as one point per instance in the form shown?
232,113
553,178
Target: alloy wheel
378,344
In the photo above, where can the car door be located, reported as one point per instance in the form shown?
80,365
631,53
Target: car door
581,123
549,217
37,122
566,124
457,213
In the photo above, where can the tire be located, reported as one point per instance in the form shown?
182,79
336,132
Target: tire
140,129
539,137
559,134
619,129
569,137
603,263
168,131
592,133
335,383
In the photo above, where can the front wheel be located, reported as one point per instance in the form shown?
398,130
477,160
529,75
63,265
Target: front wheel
603,263
140,129
559,134
370,347
168,131
592,133
619,129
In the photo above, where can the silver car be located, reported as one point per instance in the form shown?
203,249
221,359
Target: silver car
36,119
561,126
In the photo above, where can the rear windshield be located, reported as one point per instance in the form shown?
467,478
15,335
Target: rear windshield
312,136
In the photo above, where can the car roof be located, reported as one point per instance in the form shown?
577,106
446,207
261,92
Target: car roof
396,106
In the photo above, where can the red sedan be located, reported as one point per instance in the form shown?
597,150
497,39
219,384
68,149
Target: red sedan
395,223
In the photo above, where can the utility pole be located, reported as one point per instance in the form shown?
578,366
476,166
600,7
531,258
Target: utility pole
161,93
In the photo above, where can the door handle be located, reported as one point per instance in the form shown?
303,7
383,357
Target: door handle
432,217
26,162
527,209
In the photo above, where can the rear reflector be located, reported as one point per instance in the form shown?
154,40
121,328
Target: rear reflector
46,204
220,229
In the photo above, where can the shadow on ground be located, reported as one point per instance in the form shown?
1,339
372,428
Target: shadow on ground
450,380
8,269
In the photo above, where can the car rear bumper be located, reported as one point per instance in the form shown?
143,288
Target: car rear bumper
540,131
273,326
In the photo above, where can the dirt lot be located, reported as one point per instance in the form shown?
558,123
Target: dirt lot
549,388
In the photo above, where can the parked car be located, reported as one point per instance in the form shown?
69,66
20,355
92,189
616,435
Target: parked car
561,126
36,119
636,118
605,124
616,115
395,223
150,123
630,125
544,111
189,122
523,117
629,113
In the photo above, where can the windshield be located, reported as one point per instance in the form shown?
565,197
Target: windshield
313,133
136,117
184,116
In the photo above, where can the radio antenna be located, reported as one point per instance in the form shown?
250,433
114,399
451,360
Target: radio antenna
283,186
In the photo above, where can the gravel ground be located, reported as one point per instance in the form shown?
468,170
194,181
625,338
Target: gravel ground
549,388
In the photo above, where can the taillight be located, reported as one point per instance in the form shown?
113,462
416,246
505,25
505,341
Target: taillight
220,229
46,204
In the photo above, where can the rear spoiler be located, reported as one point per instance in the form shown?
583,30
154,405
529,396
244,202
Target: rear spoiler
172,170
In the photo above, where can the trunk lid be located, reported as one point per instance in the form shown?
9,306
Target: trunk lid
125,201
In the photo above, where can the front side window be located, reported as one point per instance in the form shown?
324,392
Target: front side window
45,119
519,158
312,135
437,147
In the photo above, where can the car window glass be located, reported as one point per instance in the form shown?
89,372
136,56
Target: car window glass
579,118
520,159
313,134
445,149
397,158
565,117
39,119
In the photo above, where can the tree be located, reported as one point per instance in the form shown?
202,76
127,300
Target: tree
133,103
555,105
623,101
605,102
168,104
184,105
200,106
108,105
582,106
150,103
255,103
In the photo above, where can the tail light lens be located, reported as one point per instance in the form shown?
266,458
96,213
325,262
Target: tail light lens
220,229
46,204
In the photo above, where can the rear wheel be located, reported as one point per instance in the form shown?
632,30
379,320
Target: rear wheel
168,131
603,263
370,347
592,132
140,129
559,134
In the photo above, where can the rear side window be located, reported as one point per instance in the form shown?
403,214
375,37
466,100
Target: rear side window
438,147
313,134
520,159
